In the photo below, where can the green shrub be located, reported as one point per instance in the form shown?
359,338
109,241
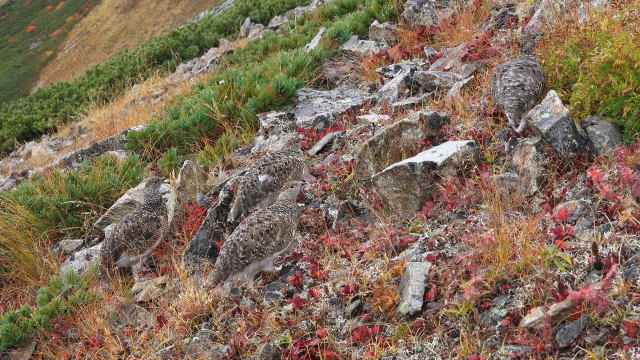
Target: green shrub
263,76
596,70
61,298
170,162
29,117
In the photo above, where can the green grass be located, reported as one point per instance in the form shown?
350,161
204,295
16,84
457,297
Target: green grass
261,77
19,65
29,117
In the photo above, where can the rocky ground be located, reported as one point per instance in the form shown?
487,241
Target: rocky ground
428,230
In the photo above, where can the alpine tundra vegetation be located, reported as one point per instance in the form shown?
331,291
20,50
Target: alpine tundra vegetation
325,179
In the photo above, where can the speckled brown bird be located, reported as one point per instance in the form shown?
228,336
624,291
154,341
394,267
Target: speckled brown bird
137,234
259,239
264,179
519,84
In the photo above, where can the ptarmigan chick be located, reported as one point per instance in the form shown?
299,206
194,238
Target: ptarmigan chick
519,84
136,235
259,239
264,179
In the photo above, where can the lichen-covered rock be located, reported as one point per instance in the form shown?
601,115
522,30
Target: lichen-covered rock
251,29
386,33
67,246
191,179
530,162
405,186
149,290
395,89
553,122
316,40
605,136
81,261
571,331
450,61
393,70
538,316
438,82
317,108
362,48
412,288
397,141
276,129
425,12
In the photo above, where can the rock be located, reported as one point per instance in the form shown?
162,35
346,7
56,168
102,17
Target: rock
362,48
536,318
577,210
605,136
396,142
393,70
273,291
67,246
371,119
450,61
585,9
503,17
149,290
353,309
405,186
553,123
217,10
431,53
454,91
250,29
412,102
568,333
438,82
81,261
322,143
203,201
131,200
316,40
317,108
23,352
125,314
386,33
276,128
191,179
396,89
510,184
425,12
530,161
548,12
412,288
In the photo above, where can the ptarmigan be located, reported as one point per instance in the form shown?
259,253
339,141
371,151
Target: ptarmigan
135,237
519,84
263,180
259,239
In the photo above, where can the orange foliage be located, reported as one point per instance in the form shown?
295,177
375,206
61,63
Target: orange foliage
12,41
56,33
31,28
60,5
50,7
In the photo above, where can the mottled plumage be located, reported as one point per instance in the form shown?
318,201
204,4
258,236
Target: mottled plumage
137,234
264,179
260,238
519,84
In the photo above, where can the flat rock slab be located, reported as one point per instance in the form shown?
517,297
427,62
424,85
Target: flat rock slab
386,33
412,288
406,185
553,122
318,108
425,12
568,333
81,261
362,48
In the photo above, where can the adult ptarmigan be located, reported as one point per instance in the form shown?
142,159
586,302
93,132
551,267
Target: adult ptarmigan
519,84
259,239
264,179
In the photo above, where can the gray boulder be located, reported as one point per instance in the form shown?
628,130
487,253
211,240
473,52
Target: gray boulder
412,288
438,82
397,141
251,29
425,12
553,122
605,136
450,61
362,48
393,70
386,33
405,186
276,129
395,89
530,162
81,261
191,179
568,333
317,108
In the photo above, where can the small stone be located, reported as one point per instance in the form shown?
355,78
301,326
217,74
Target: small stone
438,82
273,292
371,119
203,201
412,288
316,40
450,61
191,179
576,210
604,136
395,89
81,261
362,48
536,318
149,290
353,309
530,161
67,246
431,53
425,12
393,70
553,122
386,33
322,143
567,334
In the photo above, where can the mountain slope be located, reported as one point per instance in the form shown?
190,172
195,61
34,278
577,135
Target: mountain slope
113,27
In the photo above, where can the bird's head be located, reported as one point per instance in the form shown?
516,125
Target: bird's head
291,190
